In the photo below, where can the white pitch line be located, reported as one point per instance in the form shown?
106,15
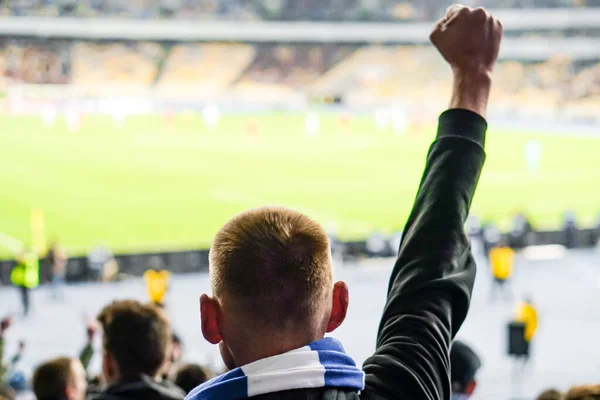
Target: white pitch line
11,243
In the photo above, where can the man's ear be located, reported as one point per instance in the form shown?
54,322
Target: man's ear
209,315
339,306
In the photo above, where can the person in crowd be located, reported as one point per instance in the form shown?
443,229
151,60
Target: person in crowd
501,265
57,258
8,375
62,378
25,275
102,265
520,231
135,343
4,325
274,298
491,238
527,314
570,229
174,356
586,392
86,354
7,393
464,364
188,376
550,394
157,282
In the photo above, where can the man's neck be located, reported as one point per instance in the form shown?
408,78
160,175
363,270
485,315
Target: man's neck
269,346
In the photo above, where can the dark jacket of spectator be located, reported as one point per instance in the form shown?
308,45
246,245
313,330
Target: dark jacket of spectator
141,388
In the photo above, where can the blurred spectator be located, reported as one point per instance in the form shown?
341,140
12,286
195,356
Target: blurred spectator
464,364
597,230
501,265
491,237
550,394
60,379
521,228
135,344
588,392
570,230
527,314
9,378
4,325
7,393
157,282
377,245
188,376
173,358
102,265
87,353
25,275
57,258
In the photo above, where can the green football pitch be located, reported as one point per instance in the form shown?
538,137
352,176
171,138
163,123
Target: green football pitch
156,185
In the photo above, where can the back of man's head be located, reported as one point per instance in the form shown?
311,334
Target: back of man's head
271,277
60,379
136,339
188,376
464,364
274,264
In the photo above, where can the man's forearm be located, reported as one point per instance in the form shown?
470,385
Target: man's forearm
471,91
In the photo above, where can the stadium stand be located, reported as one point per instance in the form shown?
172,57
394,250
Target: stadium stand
203,70
359,75
38,63
281,70
315,10
133,65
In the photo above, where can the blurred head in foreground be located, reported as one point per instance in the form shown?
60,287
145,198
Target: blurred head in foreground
60,379
272,286
6,393
136,339
587,392
464,364
188,376
551,394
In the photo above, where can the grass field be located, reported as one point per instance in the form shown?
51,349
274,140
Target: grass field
150,185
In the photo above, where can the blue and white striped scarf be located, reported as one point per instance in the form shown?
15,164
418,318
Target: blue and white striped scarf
323,363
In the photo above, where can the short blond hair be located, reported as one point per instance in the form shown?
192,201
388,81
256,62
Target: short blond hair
274,264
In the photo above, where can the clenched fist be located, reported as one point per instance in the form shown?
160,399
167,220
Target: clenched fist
468,38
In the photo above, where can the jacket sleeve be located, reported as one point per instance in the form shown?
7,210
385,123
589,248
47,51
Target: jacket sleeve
432,280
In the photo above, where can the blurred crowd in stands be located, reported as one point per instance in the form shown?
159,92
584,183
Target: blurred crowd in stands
247,10
364,75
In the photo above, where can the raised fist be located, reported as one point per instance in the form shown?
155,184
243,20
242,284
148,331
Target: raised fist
468,38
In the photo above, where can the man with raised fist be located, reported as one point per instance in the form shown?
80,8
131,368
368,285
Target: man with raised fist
274,298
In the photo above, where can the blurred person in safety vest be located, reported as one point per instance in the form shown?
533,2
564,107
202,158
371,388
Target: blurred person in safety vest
26,276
